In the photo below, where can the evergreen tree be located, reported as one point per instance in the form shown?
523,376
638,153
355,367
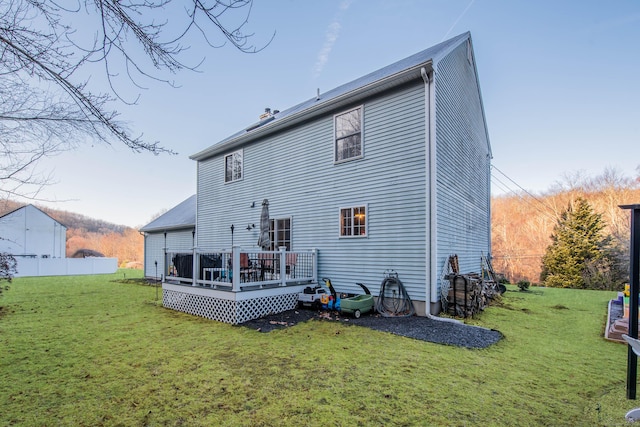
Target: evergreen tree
580,256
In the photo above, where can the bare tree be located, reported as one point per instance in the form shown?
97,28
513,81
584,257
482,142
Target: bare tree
50,48
8,267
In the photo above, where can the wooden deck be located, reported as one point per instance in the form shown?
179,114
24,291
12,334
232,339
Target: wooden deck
236,286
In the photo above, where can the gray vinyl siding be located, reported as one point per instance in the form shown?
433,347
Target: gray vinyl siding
153,252
295,171
462,164
177,240
180,240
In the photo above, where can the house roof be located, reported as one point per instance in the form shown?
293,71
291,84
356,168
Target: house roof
33,207
180,216
349,93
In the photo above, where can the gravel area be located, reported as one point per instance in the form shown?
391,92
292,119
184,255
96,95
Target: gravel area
420,328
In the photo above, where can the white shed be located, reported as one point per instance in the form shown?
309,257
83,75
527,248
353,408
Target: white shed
29,232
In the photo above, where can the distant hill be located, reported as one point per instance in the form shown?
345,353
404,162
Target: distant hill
69,219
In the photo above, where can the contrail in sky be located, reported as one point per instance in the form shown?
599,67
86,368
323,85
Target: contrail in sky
333,31
457,20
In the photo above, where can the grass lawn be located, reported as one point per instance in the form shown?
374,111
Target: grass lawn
92,351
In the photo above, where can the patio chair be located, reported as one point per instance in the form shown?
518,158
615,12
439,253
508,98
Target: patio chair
634,414
291,261
266,265
247,272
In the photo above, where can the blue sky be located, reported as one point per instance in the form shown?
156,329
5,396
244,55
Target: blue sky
557,78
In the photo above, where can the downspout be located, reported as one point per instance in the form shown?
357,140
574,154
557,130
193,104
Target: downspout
489,238
144,253
431,223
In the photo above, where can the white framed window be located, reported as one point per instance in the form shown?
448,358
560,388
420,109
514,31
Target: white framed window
280,233
233,166
353,221
348,135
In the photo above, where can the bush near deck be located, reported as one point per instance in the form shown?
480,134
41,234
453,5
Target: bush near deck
90,351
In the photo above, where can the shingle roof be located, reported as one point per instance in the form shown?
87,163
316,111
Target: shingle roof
181,216
430,55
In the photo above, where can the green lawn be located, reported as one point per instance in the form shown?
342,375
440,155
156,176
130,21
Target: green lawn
91,351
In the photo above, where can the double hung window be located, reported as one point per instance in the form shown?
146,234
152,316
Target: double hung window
348,135
280,233
233,166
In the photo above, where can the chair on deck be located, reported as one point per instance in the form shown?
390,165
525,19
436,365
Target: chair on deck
247,272
266,265
291,261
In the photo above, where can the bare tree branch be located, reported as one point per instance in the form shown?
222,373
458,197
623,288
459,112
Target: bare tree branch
47,106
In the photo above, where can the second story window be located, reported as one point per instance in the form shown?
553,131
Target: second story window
233,166
348,135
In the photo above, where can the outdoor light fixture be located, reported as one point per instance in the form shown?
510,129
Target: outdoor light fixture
251,227
253,205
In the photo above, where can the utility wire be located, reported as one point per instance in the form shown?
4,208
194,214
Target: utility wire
525,191
517,194
543,212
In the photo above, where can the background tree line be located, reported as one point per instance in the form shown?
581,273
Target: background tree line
523,223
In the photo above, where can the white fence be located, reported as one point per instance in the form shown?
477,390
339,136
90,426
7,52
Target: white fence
65,266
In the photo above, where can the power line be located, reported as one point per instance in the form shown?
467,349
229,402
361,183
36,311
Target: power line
519,195
525,191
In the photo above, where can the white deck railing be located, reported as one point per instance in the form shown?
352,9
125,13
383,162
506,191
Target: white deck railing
238,270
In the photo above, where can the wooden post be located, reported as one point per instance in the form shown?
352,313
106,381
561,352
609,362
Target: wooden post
634,293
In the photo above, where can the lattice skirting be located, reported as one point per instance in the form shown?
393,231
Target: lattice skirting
228,311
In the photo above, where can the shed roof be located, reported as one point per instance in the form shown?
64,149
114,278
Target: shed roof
30,206
180,216
382,79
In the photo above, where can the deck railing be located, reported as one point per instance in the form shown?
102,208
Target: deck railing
240,270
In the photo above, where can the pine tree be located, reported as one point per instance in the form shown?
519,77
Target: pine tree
580,256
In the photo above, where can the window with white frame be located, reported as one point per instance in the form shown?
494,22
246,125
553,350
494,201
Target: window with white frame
353,222
233,166
280,233
348,135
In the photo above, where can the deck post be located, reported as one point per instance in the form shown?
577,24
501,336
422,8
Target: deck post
634,294
194,275
235,268
314,259
283,265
